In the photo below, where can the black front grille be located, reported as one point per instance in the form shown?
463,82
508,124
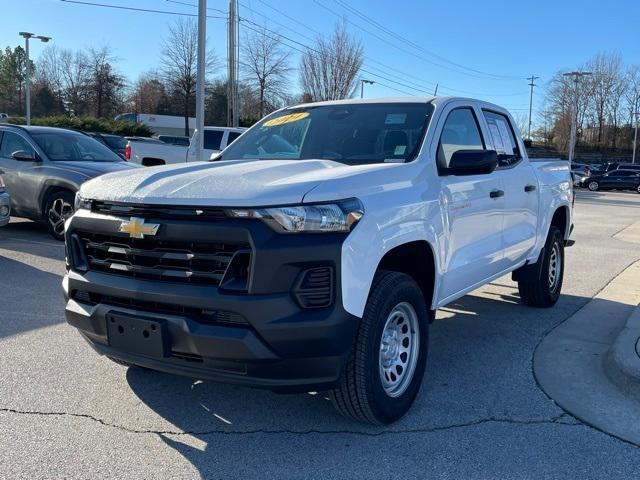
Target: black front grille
152,258
159,211
201,315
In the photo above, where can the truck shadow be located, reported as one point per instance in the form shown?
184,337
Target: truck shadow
221,421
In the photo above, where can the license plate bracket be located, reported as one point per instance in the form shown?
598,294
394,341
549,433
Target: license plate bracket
144,336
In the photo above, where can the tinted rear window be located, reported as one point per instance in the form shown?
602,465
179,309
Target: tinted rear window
213,139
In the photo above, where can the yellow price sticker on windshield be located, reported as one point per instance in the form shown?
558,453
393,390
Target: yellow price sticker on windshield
292,117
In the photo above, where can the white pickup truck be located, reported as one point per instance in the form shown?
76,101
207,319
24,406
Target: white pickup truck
314,254
150,152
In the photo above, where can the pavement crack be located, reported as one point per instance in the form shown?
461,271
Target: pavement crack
562,419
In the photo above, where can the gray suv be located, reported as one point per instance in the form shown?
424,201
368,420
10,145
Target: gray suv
45,166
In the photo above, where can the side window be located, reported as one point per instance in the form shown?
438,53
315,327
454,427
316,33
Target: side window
460,132
12,142
503,138
213,139
233,136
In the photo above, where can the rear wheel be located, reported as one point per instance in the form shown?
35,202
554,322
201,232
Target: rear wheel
593,186
540,284
384,372
638,189
58,208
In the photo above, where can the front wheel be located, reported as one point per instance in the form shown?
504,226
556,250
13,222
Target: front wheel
540,284
638,189
58,208
384,372
593,186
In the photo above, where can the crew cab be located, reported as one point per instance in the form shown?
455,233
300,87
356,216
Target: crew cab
313,253
153,153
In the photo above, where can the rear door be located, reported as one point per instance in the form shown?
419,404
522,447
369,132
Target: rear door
472,205
520,188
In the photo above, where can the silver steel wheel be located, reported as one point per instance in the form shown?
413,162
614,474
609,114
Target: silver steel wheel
58,213
555,267
593,186
399,349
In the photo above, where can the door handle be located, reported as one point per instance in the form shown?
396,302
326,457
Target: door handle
496,193
529,188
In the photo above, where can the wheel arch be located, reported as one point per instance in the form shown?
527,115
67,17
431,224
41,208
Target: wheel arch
51,187
416,259
561,219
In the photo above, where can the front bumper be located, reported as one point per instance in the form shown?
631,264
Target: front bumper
5,204
282,346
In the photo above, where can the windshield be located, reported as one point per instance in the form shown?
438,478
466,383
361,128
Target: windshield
349,133
74,147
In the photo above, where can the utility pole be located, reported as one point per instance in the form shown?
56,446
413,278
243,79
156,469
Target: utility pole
635,138
232,88
202,41
577,75
532,79
362,82
435,92
27,75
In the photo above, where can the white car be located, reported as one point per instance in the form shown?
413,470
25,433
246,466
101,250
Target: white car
150,153
314,254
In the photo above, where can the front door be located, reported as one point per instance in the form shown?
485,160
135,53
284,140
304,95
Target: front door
473,207
17,173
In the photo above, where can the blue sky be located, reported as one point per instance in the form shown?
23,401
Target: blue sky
508,40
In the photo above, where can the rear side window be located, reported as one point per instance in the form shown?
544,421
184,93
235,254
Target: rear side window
503,138
460,132
233,136
213,139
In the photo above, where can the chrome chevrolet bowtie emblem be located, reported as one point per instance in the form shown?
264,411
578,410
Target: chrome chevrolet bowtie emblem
136,228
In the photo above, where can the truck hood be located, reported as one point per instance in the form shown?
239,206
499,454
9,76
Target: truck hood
225,183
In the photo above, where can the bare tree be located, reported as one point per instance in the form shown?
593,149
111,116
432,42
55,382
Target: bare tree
266,68
606,69
179,64
148,94
329,70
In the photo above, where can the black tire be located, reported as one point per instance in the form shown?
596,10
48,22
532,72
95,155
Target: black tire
593,186
535,282
360,394
638,189
58,207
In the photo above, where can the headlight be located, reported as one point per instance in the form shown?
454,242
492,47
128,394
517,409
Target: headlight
326,217
81,203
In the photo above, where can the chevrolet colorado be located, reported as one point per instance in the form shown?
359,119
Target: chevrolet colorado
314,253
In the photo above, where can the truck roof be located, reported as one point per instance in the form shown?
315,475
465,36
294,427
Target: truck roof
423,99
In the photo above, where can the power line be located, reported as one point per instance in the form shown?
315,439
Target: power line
407,41
120,7
482,75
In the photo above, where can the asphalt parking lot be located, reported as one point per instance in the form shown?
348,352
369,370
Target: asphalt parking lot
67,413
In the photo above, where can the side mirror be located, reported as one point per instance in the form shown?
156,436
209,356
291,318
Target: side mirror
472,162
24,156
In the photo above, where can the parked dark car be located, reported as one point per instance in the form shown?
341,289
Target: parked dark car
115,143
5,203
629,166
45,166
614,180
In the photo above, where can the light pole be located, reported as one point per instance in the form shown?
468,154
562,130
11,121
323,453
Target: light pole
574,116
362,82
201,53
635,138
27,75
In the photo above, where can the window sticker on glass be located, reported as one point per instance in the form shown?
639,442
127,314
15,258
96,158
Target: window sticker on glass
292,117
395,118
400,149
498,143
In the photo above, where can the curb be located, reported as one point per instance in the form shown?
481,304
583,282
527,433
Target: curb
622,363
